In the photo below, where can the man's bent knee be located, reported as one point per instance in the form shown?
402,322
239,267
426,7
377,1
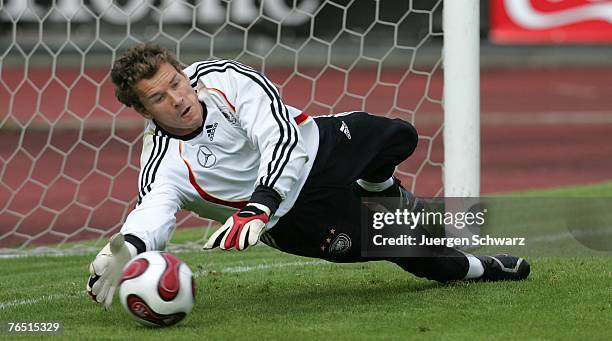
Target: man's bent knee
405,134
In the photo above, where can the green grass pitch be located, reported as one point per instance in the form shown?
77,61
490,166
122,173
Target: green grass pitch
265,294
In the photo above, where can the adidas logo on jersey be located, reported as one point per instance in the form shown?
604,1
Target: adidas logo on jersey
210,130
344,128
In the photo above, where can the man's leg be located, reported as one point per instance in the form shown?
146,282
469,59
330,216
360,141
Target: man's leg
361,146
441,263
363,150
328,226
325,222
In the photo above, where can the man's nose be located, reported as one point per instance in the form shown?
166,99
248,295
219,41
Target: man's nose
177,100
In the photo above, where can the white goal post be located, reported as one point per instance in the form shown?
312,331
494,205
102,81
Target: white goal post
69,152
461,98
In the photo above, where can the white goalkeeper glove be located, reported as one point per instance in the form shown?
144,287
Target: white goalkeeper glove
241,230
106,270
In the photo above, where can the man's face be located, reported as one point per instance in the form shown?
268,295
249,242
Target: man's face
168,98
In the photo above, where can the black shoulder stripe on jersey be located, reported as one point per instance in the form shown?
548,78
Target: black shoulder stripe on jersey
160,147
166,142
285,161
194,77
147,179
281,162
280,113
145,170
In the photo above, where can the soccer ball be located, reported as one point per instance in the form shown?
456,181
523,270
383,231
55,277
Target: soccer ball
157,289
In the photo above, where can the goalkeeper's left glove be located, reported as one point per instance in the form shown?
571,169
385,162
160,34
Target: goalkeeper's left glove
242,229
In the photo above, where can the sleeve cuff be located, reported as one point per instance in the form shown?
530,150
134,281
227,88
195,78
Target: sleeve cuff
266,196
136,242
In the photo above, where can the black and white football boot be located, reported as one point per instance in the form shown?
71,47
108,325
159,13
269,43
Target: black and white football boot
504,268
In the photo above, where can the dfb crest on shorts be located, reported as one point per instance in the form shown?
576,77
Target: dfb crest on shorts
341,244
206,158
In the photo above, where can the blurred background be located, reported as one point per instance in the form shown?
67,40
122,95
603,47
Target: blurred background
69,152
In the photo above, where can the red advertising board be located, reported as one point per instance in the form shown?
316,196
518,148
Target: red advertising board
551,21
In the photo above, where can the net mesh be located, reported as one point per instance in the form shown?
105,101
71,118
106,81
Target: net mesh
69,152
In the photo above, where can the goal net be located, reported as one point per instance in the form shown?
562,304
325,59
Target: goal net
69,151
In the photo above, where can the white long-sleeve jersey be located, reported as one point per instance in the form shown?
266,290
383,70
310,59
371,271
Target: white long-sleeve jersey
251,147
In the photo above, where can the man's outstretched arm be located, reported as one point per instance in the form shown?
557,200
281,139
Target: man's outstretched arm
148,227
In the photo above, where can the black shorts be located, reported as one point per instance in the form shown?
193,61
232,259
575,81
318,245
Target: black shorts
325,221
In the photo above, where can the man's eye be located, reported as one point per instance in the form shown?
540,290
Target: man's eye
175,85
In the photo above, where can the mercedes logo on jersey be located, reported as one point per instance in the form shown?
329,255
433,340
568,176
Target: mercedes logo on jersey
206,158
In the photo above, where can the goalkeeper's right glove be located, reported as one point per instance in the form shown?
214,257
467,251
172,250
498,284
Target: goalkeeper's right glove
241,230
106,270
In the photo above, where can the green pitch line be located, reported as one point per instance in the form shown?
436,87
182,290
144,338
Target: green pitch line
266,294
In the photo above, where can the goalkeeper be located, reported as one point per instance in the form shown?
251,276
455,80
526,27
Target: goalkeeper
220,142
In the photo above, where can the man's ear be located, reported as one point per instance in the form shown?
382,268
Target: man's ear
143,112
